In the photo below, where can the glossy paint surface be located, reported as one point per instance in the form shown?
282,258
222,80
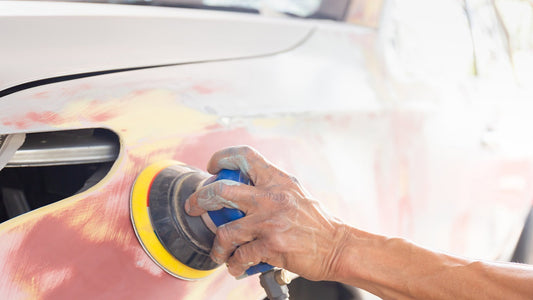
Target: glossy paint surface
443,160
59,39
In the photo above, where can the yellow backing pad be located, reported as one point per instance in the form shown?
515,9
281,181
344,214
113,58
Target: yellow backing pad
140,217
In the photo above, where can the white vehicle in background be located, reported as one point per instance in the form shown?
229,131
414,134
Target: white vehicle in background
407,118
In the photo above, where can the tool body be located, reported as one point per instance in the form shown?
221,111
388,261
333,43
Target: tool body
177,242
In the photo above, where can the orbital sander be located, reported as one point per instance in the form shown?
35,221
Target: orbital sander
180,244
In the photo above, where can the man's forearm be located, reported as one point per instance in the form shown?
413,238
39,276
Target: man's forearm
285,227
395,268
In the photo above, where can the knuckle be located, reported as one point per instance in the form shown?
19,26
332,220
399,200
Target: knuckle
224,235
267,253
294,180
205,193
246,149
226,189
207,199
241,255
282,199
249,255
219,188
274,196
249,152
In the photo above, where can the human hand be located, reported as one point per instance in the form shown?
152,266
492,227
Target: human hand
282,225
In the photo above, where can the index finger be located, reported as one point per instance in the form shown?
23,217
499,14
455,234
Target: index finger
243,158
219,194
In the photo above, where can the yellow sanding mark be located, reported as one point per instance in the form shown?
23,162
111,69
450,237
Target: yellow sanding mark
143,227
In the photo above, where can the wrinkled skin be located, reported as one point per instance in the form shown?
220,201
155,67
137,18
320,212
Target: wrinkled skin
284,227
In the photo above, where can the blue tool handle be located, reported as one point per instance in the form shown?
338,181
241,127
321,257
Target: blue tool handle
226,215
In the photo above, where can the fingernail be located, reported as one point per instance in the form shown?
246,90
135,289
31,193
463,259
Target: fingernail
187,206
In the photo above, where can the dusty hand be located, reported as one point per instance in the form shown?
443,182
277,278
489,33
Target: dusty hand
282,226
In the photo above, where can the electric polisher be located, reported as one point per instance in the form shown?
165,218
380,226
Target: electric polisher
180,244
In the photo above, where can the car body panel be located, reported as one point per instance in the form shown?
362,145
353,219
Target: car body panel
445,162
110,37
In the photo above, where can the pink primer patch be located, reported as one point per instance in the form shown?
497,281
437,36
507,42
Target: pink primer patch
97,112
93,267
10,289
102,116
26,120
21,124
202,89
99,258
46,117
59,259
41,95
